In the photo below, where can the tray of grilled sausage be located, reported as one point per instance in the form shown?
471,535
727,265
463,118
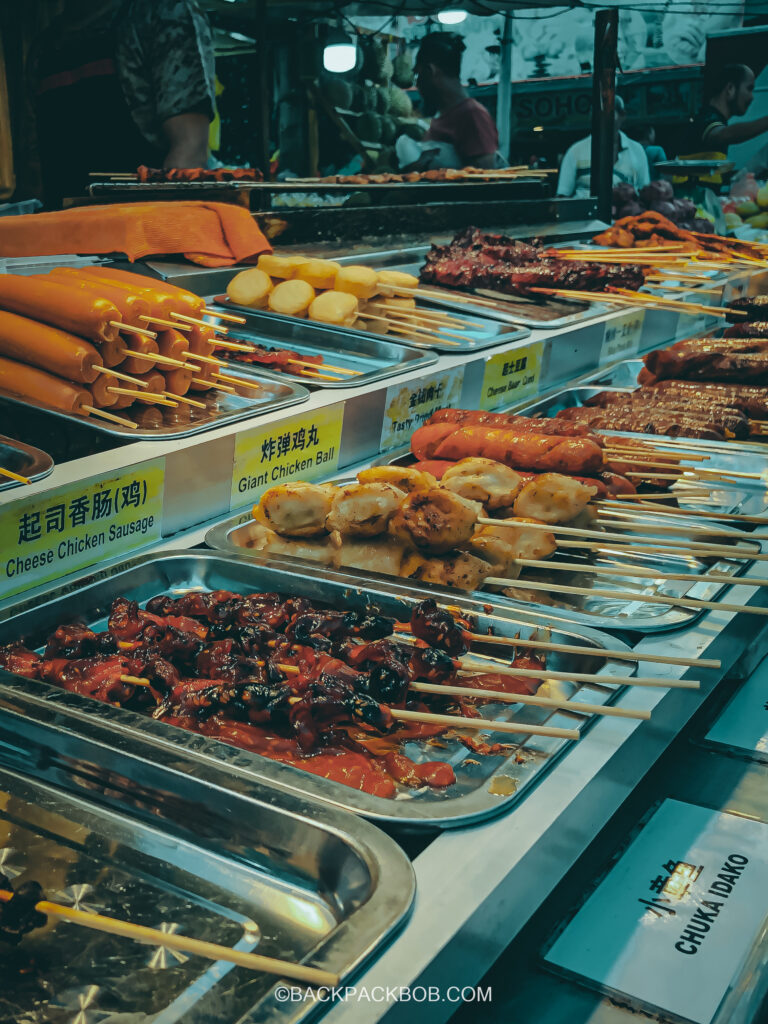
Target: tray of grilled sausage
160,842
316,682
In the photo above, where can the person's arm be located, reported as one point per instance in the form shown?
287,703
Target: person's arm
727,135
186,137
485,160
566,182
642,170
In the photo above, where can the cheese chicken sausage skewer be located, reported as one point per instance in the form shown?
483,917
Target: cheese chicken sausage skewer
87,316
49,348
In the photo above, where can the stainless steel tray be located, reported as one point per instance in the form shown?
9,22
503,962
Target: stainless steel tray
233,536
373,356
221,408
541,314
469,800
30,462
489,334
745,497
259,871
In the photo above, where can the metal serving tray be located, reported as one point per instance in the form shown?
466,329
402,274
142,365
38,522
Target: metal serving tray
326,337
21,458
261,871
233,536
541,314
745,497
221,408
485,785
373,356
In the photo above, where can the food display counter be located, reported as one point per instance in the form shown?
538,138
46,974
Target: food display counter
494,868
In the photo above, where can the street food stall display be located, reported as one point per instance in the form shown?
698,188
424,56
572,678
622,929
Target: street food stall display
400,540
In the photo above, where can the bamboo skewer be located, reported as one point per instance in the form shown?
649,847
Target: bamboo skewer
173,324
224,316
218,387
630,570
524,698
631,595
204,359
404,328
231,345
200,323
185,400
326,366
730,516
616,520
660,453
548,645
459,722
183,943
14,476
110,416
133,330
320,376
143,396
109,372
155,358
469,665
238,381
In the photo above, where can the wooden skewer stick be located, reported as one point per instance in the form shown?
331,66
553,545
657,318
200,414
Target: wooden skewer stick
645,547
475,664
238,381
184,943
730,516
174,324
326,366
622,569
651,496
14,476
458,722
320,376
616,521
232,346
110,416
154,358
210,384
200,323
631,595
202,359
185,400
524,698
143,396
399,328
548,645
438,321
225,316
658,453
133,330
109,372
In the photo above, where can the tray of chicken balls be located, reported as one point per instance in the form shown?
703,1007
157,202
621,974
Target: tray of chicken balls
523,511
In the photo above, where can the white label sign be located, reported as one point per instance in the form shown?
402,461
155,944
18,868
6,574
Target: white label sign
409,406
622,336
673,920
744,723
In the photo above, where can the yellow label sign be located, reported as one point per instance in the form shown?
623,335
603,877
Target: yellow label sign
511,376
409,405
304,447
622,336
46,537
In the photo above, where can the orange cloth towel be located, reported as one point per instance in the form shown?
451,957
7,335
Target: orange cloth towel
212,234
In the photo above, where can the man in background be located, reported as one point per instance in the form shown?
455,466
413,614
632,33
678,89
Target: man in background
630,163
119,84
462,124
730,94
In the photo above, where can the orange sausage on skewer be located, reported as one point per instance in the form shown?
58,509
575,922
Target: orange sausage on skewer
58,306
102,397
183,301
49,348
142,345
160,305
173,344
35,385
131,307
177,382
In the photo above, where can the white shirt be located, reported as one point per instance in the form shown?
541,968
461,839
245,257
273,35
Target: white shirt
631,166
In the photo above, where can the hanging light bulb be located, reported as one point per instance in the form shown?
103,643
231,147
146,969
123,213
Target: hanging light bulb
451,17
340,53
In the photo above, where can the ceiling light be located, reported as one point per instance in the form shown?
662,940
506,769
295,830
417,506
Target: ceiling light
340,53
451,17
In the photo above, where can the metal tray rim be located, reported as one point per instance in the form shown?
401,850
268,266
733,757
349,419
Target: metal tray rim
42,463
110,720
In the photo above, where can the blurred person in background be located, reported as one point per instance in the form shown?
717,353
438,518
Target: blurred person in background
463,131
654,154
630,163
122,83
730,94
